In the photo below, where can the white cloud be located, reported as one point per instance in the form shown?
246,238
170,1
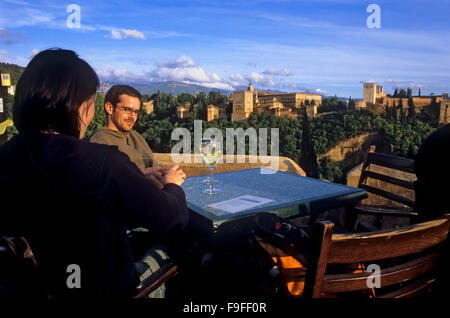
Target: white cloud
25,17
283,72
33,52
256,78
133,34
6,57
306,89
111,73
180,62
10,38
184,69
125,33
116,35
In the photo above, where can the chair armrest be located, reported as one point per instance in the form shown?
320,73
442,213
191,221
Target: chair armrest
155,280
384,212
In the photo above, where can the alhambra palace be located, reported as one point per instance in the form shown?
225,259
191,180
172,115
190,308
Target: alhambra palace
281,104
375,100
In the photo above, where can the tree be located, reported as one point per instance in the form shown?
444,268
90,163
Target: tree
146,98
351,104
402,93
409,92
14,71
395,92
308,157
8,103
99,119
330,170
411,110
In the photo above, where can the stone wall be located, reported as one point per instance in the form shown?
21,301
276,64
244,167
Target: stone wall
444,113
352,150
194,169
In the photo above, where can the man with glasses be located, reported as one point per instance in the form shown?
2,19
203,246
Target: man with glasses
122,105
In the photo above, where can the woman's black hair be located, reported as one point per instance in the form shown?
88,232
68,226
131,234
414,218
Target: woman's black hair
50,91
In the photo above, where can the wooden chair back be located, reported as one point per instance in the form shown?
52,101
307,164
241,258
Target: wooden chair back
407,258
19,272
380,177
19,275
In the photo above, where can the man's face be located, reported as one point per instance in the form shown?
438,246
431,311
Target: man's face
121,117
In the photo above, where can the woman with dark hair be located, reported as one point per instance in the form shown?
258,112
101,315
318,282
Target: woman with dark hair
72,200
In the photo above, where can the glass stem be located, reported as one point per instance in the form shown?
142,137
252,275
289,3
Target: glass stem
211,180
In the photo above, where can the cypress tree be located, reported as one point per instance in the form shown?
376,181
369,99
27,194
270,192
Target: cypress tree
402,113
411,110
308,157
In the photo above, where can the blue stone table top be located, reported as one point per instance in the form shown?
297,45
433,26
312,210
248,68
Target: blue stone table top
305,195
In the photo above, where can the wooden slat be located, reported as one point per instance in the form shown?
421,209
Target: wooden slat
410,290
383,212
156,279
363,247
398,163
388,195
389,276
321,239
389,179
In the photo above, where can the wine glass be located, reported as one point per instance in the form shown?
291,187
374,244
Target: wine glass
211,153
204,143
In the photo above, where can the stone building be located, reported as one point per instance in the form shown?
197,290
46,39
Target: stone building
245,102
148,106
371,92
376,101
182,112
212,112
444,111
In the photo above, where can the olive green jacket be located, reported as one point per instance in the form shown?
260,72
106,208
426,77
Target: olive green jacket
132,143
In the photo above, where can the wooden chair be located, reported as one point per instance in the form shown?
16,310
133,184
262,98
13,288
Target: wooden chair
155,280
19,275
376,181
19,272
408,258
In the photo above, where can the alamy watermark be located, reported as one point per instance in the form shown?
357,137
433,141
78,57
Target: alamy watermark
374,20
181,152
74,19
74,279
374,279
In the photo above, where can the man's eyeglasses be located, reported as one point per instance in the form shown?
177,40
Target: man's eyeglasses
128,110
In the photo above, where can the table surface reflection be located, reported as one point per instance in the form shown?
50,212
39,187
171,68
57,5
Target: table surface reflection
292,195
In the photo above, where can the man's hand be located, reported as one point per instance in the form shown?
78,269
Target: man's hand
175,175
156,175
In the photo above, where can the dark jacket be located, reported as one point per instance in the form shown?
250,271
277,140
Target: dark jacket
433,172
73,201
131,143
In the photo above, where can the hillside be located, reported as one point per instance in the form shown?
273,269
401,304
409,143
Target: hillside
13,70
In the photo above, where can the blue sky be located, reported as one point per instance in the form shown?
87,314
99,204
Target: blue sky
320,46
